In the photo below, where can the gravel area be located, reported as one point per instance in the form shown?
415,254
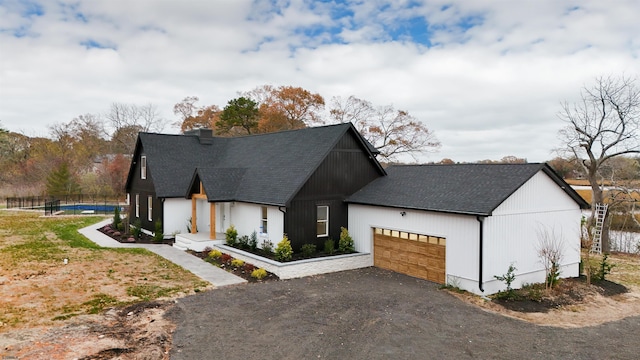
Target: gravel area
373,314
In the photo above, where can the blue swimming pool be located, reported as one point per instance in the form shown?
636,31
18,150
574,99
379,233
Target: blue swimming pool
88,207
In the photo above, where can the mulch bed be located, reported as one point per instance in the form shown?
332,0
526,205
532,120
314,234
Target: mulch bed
243,271
569,291
128,238
224,262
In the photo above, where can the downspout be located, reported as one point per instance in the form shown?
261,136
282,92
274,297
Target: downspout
480,246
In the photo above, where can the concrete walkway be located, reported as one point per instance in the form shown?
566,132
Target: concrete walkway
202,269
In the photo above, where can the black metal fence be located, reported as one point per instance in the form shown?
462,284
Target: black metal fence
51,207
68,204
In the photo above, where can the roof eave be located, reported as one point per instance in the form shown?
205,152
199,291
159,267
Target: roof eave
457,212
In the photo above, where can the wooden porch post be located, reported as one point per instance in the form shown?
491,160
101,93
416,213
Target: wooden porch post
212,221
193,215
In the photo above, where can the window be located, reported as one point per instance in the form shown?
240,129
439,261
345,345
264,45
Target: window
435,240
322,221
263,223
150,208
137,205
143,167
128,199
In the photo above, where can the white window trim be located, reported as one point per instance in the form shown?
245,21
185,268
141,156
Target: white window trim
128,199
264,221
150,208
326,222
143,167
137,205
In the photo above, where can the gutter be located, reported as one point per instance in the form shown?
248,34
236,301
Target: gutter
480,247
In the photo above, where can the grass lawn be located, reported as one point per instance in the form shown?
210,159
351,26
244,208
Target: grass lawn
38,288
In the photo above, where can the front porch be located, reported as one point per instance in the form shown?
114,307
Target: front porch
198,241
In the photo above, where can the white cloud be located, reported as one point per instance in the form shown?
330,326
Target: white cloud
490,85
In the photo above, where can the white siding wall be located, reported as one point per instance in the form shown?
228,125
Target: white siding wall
512,235
176,215
460,231
247,218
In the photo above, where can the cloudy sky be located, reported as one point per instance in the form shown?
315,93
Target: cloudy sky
487,76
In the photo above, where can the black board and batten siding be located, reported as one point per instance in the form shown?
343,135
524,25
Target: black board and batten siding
345,170
144,188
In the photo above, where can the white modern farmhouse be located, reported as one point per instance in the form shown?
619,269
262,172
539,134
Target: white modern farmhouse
460,224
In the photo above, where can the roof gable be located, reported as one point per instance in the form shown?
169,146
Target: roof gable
273,166
474,189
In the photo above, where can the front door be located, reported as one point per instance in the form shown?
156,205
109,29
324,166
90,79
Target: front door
223,211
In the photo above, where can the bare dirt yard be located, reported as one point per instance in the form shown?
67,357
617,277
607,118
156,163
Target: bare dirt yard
111,303
97,301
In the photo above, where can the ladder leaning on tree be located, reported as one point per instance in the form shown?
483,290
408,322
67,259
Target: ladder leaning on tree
601,211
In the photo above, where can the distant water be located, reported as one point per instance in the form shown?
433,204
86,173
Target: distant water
628,242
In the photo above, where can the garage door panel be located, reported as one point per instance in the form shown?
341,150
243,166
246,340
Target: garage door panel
421,259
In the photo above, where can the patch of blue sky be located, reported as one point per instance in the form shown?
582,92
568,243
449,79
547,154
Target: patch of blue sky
321,34
415,29
18,32
468,22
93,44
31,8
72,13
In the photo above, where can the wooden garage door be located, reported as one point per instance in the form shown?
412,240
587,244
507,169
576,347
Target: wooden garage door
421,256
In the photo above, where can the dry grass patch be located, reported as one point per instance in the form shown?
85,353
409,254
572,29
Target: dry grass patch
39,289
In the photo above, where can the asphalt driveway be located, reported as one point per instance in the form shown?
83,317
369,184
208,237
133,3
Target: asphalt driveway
374,314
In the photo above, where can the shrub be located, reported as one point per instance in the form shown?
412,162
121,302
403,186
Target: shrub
248,268
253,241
283,250
243,242
553,276
189,225
136,229
345,244
117,220
225,258
509,277
604,268
237,263
308,250
158,236
259,274
231,235
329,246
267,246
214,254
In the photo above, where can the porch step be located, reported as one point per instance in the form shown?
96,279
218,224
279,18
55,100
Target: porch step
194,242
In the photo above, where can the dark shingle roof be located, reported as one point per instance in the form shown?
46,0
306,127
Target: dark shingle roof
475,189
268,168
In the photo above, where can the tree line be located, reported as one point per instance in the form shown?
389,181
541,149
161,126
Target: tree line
91,153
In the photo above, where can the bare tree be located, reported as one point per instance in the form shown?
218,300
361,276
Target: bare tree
550,251
602,126
393,132
126,120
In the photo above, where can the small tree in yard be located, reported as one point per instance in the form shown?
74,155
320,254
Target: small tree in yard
158,236
117,220
550,251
